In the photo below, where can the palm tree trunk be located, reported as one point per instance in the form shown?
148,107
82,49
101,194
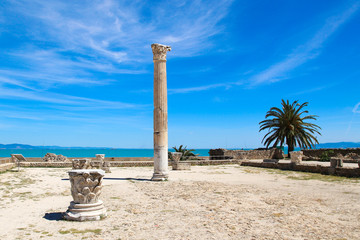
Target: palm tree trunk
290,149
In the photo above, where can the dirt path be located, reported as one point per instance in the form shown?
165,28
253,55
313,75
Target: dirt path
209,202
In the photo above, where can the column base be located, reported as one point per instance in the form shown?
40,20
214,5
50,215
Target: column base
85,212
160,177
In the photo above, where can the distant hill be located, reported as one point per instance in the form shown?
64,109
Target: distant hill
25,146
339,145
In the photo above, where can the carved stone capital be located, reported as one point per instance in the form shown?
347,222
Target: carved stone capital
160,51
86,185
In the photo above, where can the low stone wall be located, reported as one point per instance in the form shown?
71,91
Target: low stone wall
345,172
45,164
220,153
39,159
129,163
344,153
5,160
6,166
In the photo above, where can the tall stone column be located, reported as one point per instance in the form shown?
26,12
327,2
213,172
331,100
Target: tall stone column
161,171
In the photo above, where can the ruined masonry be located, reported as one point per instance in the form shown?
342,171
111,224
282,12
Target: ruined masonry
161,171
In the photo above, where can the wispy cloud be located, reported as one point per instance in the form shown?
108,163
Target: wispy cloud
312,90
73,43
300,55
63,99
200,88
118,31
306,52
356,108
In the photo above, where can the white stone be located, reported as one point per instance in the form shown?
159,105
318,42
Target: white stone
86,186
81,163
296,157
161,171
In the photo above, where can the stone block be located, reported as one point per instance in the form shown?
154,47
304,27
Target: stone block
271,160
336,163
81,163
176,156
52,157
181,166
296,157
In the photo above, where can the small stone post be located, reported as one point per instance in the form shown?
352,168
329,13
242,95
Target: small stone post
161,171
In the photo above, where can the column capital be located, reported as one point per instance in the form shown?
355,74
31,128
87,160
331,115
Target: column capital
160,51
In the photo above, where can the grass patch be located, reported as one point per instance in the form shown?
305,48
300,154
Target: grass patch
218,172
320,177
77,231
295,175
277,214
115,198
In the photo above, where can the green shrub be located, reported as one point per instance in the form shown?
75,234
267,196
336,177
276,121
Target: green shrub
325,156
187,154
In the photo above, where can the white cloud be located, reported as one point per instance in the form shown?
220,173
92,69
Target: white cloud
306,52
198,89
67,42
63,99
356,108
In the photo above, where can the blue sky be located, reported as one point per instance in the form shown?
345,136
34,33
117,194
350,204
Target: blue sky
80,73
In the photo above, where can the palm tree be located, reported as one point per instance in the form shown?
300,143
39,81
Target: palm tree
186,153
287,125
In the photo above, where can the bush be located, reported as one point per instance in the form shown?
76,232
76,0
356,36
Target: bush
325,156
187,153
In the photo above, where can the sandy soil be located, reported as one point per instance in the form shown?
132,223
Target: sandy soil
208,202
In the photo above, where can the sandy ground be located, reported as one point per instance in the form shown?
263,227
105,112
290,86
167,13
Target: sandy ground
208,202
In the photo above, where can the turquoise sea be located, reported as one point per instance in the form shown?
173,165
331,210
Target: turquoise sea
89,152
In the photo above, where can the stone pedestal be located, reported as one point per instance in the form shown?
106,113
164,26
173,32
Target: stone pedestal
86,185
296,157
81,163
160,113
104,165
177,164
336,162
181,166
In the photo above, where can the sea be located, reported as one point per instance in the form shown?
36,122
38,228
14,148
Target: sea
91,152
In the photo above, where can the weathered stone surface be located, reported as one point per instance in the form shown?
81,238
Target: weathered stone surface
220,153
6,166
346,154
271,160
181,165
296,157
159,51
353,156
52,157
106,167
336,162
96,164
161,171
346,172
277,153
86,185
176,156
81,163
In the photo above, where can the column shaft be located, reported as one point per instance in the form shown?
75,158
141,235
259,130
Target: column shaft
160,114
